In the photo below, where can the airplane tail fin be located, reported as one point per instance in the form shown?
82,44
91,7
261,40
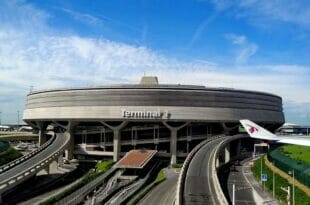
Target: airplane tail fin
255,131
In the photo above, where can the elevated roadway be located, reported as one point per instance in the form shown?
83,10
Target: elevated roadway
30,166
199,186
201,183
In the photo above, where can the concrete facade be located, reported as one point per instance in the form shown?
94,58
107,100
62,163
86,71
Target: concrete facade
170,110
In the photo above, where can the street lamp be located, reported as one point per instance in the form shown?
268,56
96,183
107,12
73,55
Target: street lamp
293,173
273,181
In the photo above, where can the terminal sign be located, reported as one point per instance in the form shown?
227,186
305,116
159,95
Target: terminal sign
145,114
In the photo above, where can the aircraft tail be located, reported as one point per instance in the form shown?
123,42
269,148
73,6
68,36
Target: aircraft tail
255,131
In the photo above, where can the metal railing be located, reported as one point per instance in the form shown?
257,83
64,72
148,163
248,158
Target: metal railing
30,171
181,179
17,161
79,195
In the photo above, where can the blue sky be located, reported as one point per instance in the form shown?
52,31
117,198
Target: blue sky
246,44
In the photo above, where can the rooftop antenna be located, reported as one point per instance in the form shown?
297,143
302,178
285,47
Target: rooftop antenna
31,89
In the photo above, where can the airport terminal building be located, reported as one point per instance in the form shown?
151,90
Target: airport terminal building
108,121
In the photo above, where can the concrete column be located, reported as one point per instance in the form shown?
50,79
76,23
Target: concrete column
42,137
60,161
116,144
173,146
174,140
116,138
239,148
227,154
70,147
53,166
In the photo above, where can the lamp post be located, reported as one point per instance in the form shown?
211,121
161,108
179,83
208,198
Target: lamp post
17,117
233,196
273,182
261,169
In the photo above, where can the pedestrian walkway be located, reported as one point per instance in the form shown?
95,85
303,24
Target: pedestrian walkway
259,195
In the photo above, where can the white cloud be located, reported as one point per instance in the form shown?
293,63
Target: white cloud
245,49
84,17
264,11
47,60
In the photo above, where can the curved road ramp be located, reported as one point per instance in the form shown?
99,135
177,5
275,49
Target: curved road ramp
198,181
27,166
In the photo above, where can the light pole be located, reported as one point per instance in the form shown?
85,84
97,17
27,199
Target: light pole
293,173
0,117
261,169
273,183
17,117
233,196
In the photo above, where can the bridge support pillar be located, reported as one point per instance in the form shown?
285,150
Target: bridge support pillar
60,160
239,148
174,140
116,138
53,167
42,136
227,154
70,146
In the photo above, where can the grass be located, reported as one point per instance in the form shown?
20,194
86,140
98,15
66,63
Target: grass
177,165
300,197
297,152
4,145
9,155
161,176
104,166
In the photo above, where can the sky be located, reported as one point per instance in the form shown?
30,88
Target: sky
258,45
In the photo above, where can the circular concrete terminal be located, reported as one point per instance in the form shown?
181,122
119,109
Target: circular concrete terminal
187,109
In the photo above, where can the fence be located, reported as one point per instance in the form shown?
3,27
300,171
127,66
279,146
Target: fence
286,164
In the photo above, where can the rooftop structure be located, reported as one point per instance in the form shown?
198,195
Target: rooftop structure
136,159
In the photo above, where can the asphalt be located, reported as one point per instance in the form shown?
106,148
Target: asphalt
243,190
58,142
199,187
259,195
164,193
248,191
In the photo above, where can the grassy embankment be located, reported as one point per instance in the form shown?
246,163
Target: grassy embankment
301,198
297,152
7,153
102,167
161,176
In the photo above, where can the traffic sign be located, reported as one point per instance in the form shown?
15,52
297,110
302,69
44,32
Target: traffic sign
264,177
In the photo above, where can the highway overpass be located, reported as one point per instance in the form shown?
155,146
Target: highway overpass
24,168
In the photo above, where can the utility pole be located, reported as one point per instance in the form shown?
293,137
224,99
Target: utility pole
233,195
17,117
261,169
31,89
0,117
273,184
